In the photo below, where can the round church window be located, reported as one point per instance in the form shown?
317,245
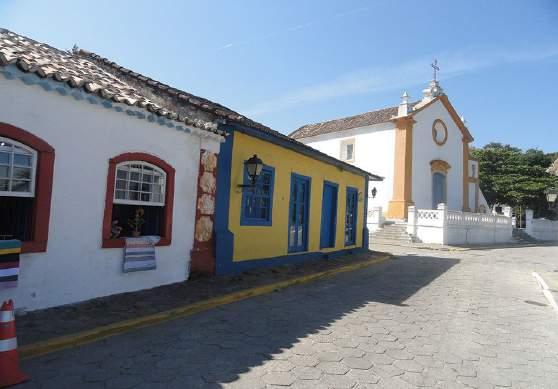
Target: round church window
439,132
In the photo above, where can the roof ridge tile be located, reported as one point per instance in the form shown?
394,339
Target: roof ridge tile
77,71
378,116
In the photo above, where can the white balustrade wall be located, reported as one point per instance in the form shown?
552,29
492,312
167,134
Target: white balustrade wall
541,229
375,218
443,226
427,224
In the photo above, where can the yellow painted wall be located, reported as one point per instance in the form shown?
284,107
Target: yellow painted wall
259,242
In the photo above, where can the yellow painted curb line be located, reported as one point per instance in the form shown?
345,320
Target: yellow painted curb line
102,332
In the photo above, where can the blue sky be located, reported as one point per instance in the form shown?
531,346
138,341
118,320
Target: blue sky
288,63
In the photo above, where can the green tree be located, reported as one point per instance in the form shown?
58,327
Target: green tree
508,175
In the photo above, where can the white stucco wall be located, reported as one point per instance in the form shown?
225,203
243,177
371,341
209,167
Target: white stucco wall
373,152
541,229
85,137
426,150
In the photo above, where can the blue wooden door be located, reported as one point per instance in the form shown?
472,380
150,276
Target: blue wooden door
351,213
329,215
438,189
298,213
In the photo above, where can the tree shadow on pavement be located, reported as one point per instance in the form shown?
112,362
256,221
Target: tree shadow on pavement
220,346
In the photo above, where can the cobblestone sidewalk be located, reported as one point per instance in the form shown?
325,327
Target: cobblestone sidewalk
49,323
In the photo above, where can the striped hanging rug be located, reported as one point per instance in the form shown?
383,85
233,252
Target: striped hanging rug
9,263
139,254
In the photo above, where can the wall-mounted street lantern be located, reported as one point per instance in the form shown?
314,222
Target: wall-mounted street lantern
254,167
551,196
374,192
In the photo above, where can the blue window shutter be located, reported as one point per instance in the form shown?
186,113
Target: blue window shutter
257,202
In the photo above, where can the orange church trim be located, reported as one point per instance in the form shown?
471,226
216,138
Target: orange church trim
403,169
435,132
466,207
467,137
437,165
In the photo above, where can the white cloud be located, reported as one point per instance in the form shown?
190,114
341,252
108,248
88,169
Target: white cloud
400,76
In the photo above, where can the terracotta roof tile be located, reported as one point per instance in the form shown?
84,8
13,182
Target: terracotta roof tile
217,110
78,71
364,119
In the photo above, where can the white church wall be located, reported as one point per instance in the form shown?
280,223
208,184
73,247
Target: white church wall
85,136
426,150
374,152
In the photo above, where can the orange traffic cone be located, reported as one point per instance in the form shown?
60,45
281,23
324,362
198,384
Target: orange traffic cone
9,358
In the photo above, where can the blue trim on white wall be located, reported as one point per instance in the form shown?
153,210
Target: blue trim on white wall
246,221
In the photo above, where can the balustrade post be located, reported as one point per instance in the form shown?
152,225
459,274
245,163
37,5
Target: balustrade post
412,220
374,218
444,221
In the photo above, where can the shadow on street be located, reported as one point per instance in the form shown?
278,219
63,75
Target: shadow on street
217,346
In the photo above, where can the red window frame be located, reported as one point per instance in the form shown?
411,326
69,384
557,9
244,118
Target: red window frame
43,185
166,233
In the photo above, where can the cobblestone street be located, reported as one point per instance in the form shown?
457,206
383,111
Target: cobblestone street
425,319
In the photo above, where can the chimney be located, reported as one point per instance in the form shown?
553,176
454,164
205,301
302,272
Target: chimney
404,106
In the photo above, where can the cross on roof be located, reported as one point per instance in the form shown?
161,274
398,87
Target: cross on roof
435,67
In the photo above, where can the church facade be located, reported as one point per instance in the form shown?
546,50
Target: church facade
422,149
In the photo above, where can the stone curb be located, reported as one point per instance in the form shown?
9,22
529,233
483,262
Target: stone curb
546,291
434,248
102,332
470,248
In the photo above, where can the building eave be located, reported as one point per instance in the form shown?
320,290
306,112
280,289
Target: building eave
302,149
12,72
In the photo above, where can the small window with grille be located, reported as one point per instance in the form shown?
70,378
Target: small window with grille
139,199
348,150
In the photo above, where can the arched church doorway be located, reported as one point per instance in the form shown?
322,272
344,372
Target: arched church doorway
439,189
